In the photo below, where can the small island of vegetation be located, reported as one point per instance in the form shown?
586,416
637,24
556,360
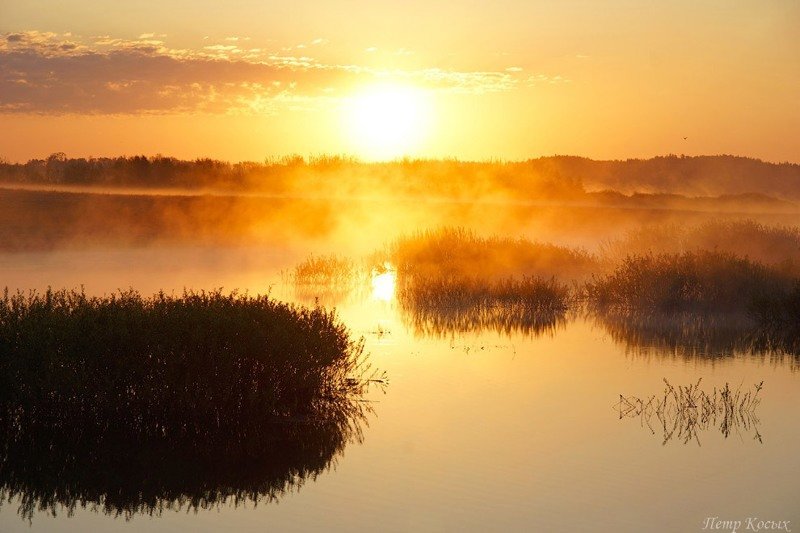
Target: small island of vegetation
134,404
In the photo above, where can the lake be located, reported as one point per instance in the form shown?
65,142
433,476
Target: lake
480,430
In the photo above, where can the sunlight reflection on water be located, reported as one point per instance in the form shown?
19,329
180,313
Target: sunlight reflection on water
383,282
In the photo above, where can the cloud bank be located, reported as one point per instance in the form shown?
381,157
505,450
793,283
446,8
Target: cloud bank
49,73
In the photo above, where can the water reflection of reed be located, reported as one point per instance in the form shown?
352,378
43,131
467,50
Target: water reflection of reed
324,294
443,306
692,335
682,414
56,459
502,319
686,334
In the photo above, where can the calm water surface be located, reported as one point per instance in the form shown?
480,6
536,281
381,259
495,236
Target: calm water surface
478,431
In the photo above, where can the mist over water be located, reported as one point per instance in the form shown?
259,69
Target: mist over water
503,373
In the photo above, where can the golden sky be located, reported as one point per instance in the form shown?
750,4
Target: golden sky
474,80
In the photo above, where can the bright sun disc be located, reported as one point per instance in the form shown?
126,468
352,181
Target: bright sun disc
387,121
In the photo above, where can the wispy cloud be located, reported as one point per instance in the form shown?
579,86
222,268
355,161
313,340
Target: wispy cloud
51,73
544,79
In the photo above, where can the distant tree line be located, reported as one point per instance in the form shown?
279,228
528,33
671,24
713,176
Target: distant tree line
295,174
545,177
715,175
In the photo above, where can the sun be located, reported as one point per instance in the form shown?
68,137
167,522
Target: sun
387,121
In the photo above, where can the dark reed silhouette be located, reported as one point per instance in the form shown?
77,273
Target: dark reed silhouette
130,404
702,281
701,303
682,414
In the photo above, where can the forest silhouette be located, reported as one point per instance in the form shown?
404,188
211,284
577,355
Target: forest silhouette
544,177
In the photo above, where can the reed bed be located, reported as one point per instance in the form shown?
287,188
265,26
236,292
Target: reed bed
682,413
771,245
442,306
697,302
457,252
327,279
534,294
704,281
139,403
325,270
453,281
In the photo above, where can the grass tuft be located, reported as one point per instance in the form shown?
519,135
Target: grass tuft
683,412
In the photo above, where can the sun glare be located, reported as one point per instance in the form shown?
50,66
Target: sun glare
388,121
383,283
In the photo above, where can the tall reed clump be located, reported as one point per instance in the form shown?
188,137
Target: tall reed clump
777,246
324,270
142,403
325,278
702,281
451,280
456,252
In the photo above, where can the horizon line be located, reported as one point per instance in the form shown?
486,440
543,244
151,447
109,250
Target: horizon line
313,158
